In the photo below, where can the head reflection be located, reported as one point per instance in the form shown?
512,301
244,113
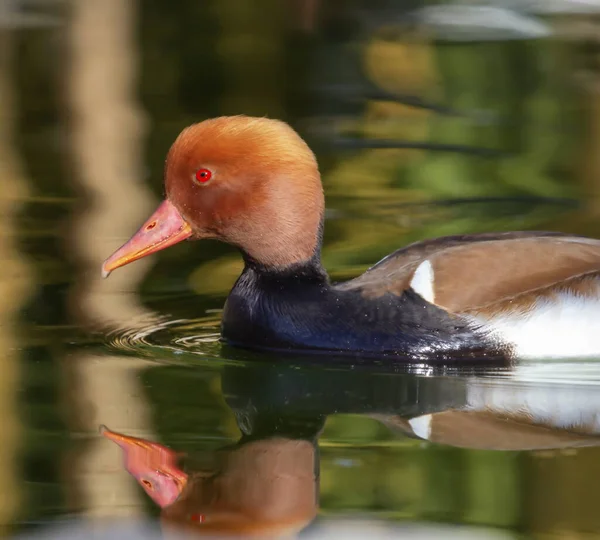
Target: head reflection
263,486
153,465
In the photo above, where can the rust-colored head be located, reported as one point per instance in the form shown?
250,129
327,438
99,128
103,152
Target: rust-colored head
250,182
153,465
260,489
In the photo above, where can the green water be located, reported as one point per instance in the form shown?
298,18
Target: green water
88,109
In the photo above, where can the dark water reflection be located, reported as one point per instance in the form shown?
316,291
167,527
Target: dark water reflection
485,134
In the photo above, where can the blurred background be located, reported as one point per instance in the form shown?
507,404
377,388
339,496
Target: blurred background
428,118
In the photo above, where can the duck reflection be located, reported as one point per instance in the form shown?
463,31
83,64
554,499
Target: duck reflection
507,415
267,484
520,409
263,486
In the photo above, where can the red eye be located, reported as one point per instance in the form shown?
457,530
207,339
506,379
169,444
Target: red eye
203,175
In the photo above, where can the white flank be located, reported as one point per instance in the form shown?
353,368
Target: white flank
565,327
421,426
422,281
555,405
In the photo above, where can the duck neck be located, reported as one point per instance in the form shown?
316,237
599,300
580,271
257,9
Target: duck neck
309,269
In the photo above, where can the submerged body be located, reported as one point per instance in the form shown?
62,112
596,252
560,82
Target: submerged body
255,184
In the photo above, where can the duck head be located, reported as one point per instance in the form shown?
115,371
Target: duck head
265,488
153,465
250,182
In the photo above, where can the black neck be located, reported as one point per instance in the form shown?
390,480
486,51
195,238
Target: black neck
311,271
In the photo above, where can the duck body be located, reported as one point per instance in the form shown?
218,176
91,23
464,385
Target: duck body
499,312
254,183
302,311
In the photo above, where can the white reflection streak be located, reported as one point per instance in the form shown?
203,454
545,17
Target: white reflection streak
107,129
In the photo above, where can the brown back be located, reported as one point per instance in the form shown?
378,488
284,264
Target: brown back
472,272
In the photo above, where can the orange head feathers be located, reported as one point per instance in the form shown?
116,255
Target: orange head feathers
250,182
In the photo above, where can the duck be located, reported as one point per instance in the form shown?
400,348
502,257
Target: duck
254,183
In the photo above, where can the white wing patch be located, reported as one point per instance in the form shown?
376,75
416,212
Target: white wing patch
423,280
421,426
566,326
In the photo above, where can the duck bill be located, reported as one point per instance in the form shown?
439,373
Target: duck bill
164,228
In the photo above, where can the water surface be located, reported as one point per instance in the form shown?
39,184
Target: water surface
416,136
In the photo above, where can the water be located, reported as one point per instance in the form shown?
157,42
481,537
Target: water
90,100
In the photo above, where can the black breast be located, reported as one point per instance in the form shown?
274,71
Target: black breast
304,313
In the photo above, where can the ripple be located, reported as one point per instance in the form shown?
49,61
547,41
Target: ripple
200,336
191,342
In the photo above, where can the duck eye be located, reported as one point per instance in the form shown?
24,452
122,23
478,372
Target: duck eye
203,175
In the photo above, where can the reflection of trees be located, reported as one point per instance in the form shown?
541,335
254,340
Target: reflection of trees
563,496
251,54
107,130
590,153
15,283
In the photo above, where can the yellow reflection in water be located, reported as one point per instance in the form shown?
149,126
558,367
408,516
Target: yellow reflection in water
15,284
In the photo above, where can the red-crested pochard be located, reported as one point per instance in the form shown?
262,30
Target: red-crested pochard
255,184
